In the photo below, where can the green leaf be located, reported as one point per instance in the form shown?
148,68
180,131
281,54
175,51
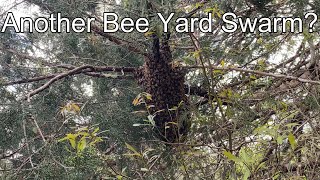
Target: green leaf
261,165
280,140
63,139
82,144
253,77
231,157
291,125
219,101
284,106
72,140
292,141
133,150
217,71
196,54
246,173
198,5
96,130
245,156
223,63
83,134
96,140
276,176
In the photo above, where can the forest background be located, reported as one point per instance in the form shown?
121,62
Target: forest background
155,105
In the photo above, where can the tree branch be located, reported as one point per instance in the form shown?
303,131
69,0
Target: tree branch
117,41
303,80
4,156
93,71
60,76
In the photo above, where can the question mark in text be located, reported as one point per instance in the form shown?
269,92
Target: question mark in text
313,21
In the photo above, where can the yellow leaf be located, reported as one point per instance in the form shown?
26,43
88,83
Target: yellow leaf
82,144
75,107
262,62
84,134
219,101
72,140
95,130
137,100
140,97
198,5
196,54
292,141
133,150
96,140
253,77
231,157
218,14
148,96
63,139
222,63
149,33
260,41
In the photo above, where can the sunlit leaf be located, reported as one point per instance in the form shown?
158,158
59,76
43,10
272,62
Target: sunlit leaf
136,101
223,63
63,139
95,141
148,96
292,141
280,140
231,157
75,107
82,144
253,77
95,130
149,33
72,140
261,165
246,173
276,176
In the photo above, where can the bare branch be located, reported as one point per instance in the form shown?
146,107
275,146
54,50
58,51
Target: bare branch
79,70
60,76
94,71
4,156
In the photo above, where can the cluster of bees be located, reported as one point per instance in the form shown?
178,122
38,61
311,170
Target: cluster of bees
166,85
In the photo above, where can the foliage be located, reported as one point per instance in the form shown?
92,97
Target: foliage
252,98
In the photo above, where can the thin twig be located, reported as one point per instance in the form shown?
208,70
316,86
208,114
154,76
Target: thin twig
303,80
